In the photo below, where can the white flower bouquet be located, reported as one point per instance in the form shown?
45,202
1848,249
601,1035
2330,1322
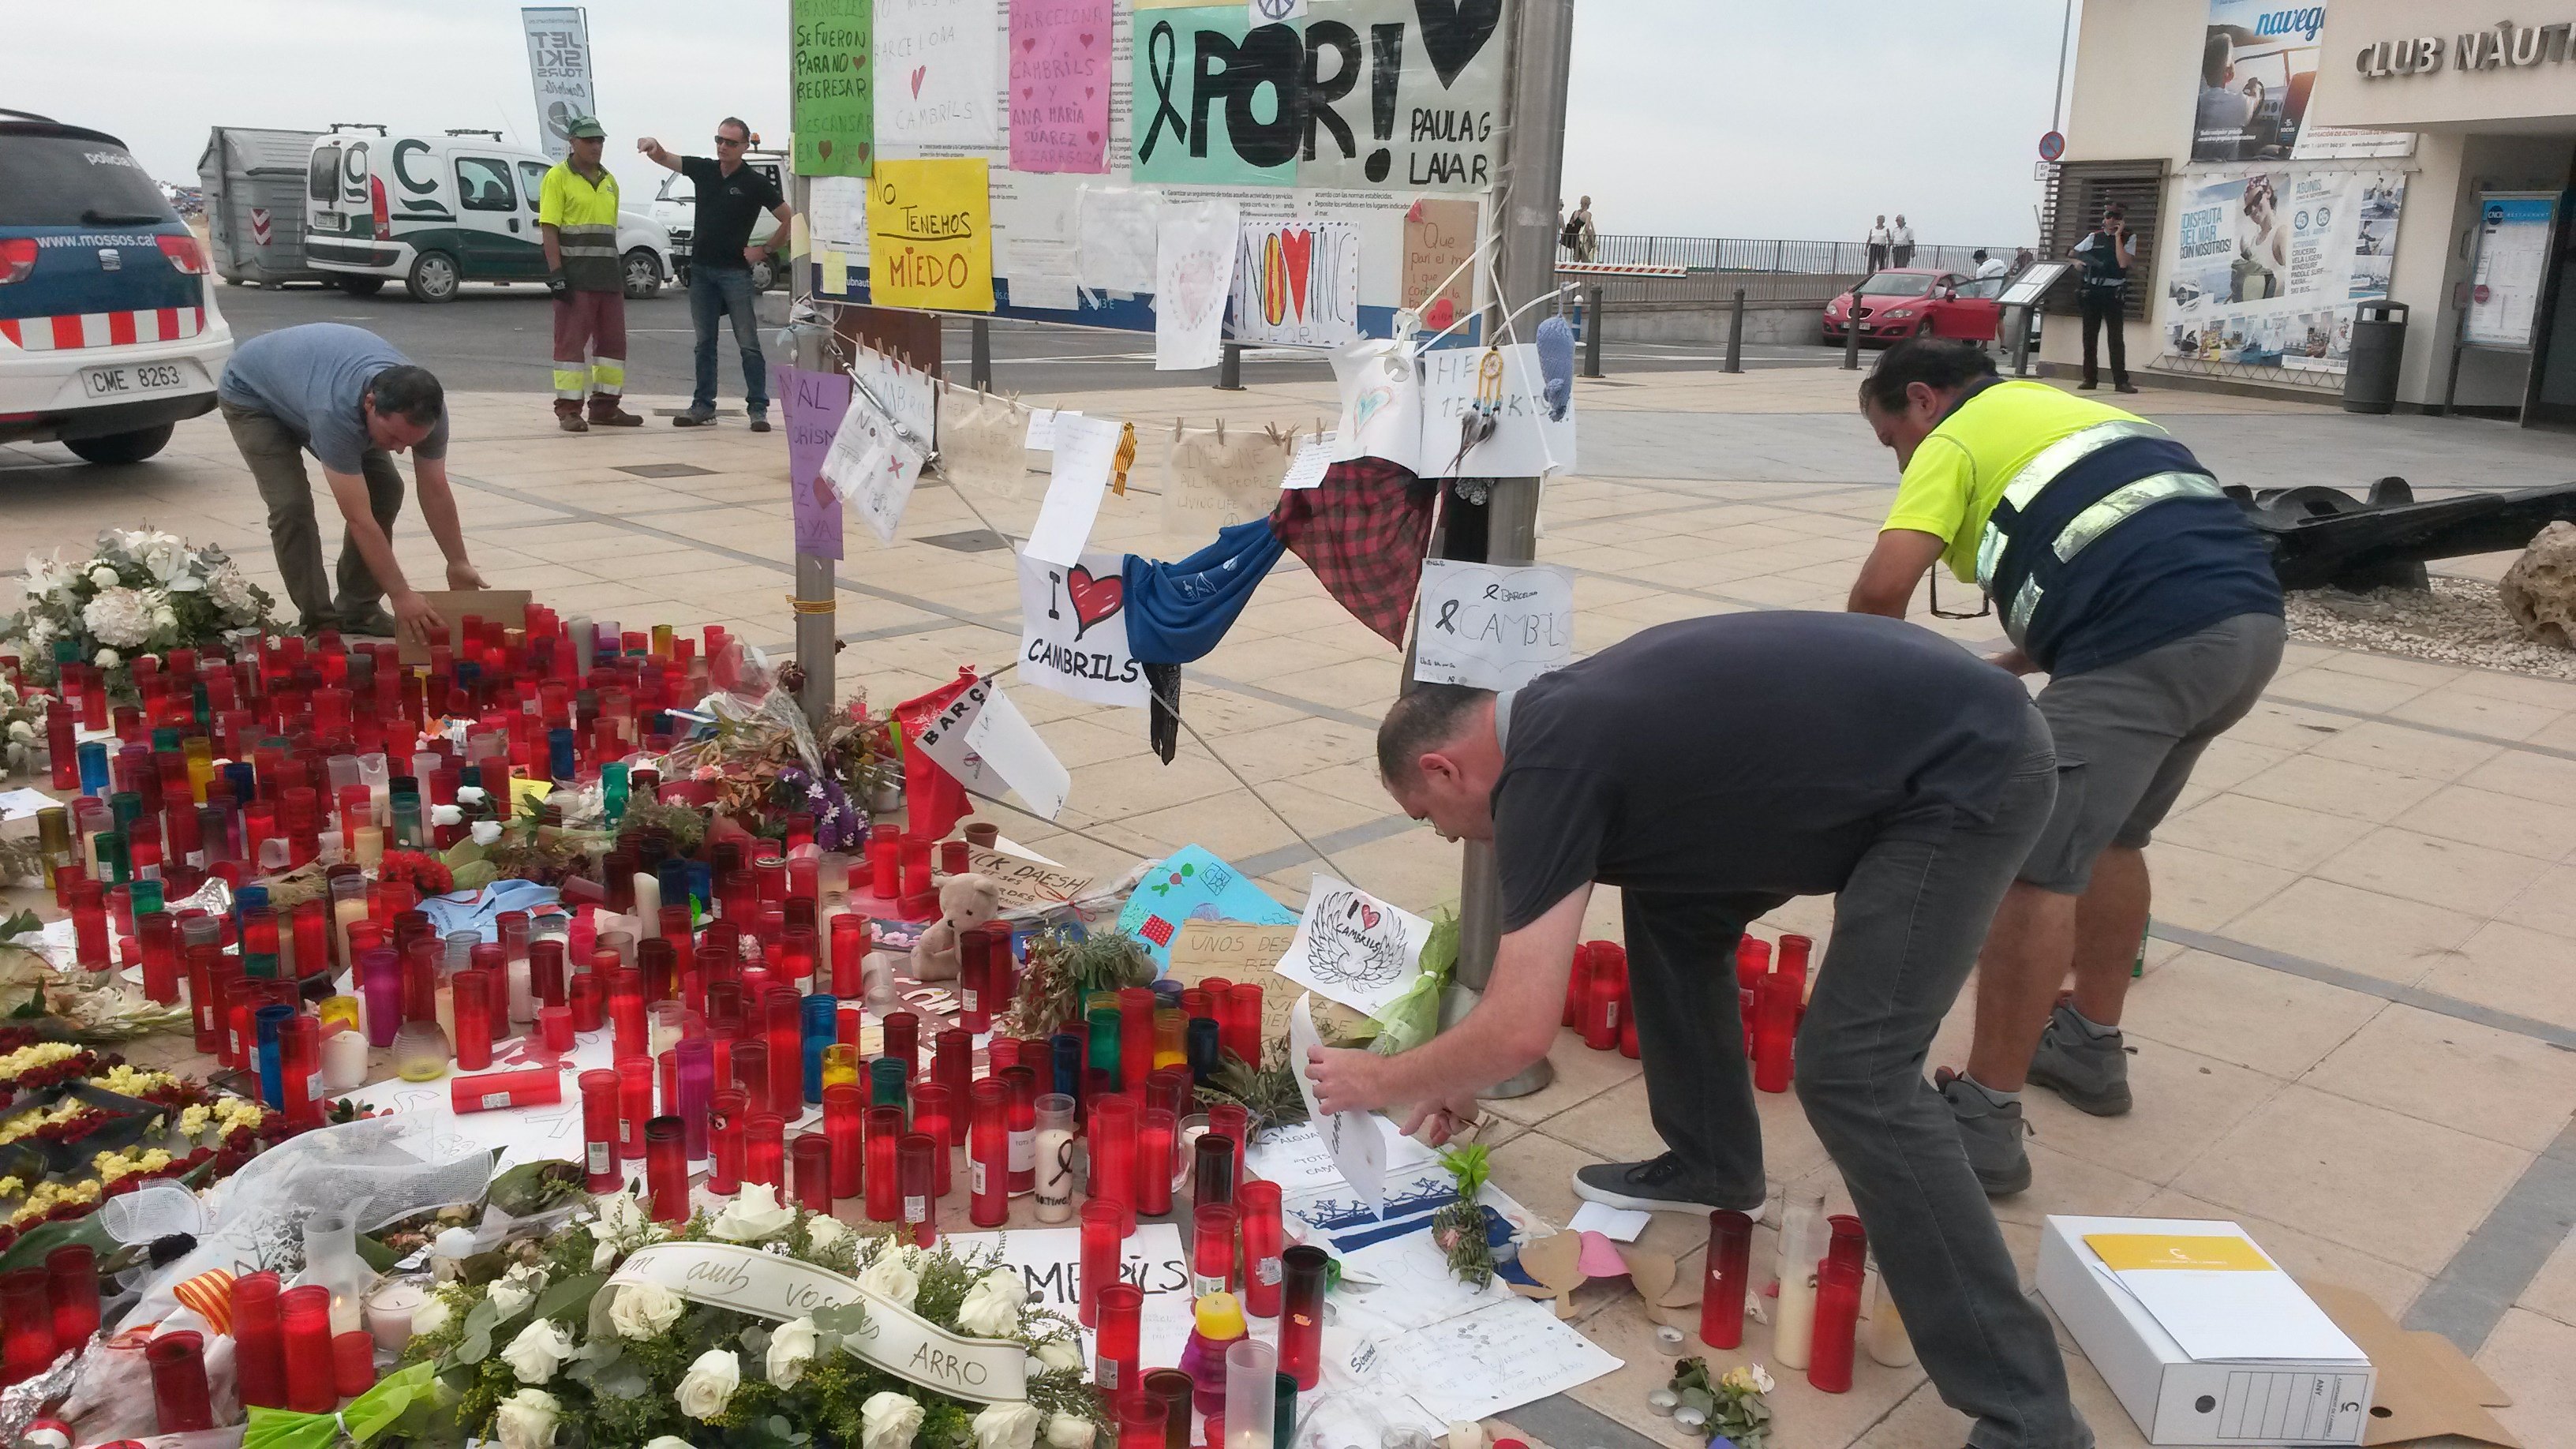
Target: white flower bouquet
142,591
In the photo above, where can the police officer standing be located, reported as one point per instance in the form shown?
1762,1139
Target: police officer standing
2102,294
577,221
2123,572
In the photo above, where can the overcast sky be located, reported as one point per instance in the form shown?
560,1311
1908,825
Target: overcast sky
1797,120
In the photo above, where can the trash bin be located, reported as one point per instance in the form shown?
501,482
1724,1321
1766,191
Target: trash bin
2370,368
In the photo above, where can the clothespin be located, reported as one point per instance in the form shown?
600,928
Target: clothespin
1176,430
1220,432
1124,460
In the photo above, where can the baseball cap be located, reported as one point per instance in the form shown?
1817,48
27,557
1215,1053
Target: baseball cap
586,127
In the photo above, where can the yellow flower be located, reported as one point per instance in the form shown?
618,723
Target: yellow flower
11,1187
192,1120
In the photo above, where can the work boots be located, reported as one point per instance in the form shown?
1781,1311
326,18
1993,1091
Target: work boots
2090,1072
568,415
605,413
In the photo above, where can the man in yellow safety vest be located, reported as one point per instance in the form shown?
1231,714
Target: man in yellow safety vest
577,219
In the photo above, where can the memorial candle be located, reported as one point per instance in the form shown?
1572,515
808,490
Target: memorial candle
666,1169
1052,1151
1135,1038
952,1065
1802,1212
1212,1249
1775,1007
764,1151
844,1127
1301,1322
1115,1360
988,1155
916,1159
599,1130
883,1188
1156,1129
1829,1365
181,1401
1256,1208
634,1105
1721,1304
1022,1084
932,1111
727,1110
259,1340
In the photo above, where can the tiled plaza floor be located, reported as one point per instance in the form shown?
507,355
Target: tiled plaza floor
2357,1033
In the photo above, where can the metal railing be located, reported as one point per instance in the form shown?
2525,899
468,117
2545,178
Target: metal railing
1745,254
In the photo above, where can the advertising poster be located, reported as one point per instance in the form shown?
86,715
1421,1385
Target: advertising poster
2258,64
559,66
2512,267
2268,265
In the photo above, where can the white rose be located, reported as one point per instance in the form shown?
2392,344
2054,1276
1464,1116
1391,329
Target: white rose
165,617
446,814
515,1290
826,1233
792,1345
429,1317
888,1421
104,577
1060,1353
644,1310
709,1384
527,1419
1762,1378
992,1306
894,1275
621,1217
1070,1431
487,832
22,731
1006,1426
755,1213
538,1351
669,1441
108,659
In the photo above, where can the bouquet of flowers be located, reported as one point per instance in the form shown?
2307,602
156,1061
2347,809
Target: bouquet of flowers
1730,1408
141,591
22,728
759,1324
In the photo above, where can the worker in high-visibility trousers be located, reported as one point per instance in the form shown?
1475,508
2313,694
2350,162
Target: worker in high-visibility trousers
577,220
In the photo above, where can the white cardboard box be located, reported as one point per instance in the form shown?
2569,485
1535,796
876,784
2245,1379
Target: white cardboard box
2287,1377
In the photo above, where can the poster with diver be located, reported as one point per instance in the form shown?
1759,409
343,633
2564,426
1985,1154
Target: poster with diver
2269,264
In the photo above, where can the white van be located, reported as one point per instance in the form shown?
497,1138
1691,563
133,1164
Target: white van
437,211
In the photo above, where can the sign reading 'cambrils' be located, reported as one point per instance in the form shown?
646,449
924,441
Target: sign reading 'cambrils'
1073,630
1493,626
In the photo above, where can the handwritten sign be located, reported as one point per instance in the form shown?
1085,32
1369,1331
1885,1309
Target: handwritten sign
1060,86
930,233
1529,439
936,64
1351,1139
1213,481
1028,885
1297,284
812,404
1381,394
1193,270
1193,884
1085,449
1493,626
830,107
1438,280
1115,231
1314,459
1073,630
1249,954
1050,1259
1354,948
982,738
872,468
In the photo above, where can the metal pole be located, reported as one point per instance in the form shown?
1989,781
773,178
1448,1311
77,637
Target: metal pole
2057,97
1533,172
817,638
980,341
1592,320
1229,368
1735,335
1851,330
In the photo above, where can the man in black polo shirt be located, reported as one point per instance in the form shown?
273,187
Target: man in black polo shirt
1711,769
731,196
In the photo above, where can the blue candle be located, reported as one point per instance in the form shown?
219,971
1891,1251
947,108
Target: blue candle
822,1021
271,1026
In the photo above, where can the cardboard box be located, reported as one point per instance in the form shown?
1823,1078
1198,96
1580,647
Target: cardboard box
2201,1335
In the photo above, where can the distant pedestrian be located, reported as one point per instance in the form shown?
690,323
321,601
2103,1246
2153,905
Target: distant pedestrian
731,197
577,221
1901,243
2102,295
1579,237
1988,267
1878,241
2021,261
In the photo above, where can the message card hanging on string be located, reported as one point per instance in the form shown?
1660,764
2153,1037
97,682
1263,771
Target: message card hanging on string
1060,86
936,80
1193,268
1493,626
1212,481
872,468
1297,283
1353,947
930,233
1439,277
830,109
909,394
982,738
1085,449
1350,1138
980,444
1073,630
1505,383
811,403
1381,392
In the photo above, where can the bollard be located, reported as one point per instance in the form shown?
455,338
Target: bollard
1229,369
1735,335
1592,334
980,335
1851,332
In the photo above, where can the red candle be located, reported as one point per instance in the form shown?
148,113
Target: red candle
526,1087
599,1130
1103,1236
1794,951
764,1151
1228,1120
1829,1360
71,1272
1022,1119
844,1127
1721,1301
751,1071
1212,1171
1609,1002
587,1000
885,862
626,1013
1115,1354
849,952
554,1028
1113,1155
1156,1129
666,1169
26,1324
728,1109
180,1399
988,1155
903,1041
884,1183
204,971
1301,1320
1212,1250
1143,1420
353,1363
306,1313
783,1015
259,1340
473,1005
1578,985
814,1171
914,1165
1239,1020
1256,1207
932,1111
1135,1039
1775,1010
952,1065
974,970
634,1105
157,935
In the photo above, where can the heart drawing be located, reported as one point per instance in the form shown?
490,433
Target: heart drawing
1297,251
1093,599
918,72
1454,31
823,148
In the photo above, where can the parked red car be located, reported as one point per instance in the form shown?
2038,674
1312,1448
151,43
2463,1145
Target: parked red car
1919,302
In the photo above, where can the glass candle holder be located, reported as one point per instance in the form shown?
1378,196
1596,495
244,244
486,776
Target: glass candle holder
1251,1394
1065,1063
903,1041
554,1028
883,1188
353,1363
1021,1115
1829,1363
889,1084
1175,1389
1212,1171
1239,1018
1103,1237
1256,1210
1301,1318
473,1021
1142,1419
1052,1148
599,1130
1721,1303
952,1065
634,1105
783,1027
26,1324
1113,1154
988,1155
916,1157
1212,1249
813,1153
841,1067
666,1169
420,1052
696,1067
1156,1128
1802,1223
932,1111
588,997
180,1398
751,1071
1228,1120
844,1127
1775,1011
1115,1355
71,1281
306,1316
725,1145
764,1151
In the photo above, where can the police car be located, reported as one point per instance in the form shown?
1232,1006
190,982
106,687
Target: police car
108,336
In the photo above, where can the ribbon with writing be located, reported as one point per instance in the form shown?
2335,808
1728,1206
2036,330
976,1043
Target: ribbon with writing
893,1338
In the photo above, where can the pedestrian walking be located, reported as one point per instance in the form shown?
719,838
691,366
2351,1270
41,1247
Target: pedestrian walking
1878,242
730,198
1900,243
1988,267
2102,294
2022,258
345,396
577,221
2128,576
1578,235
1885,767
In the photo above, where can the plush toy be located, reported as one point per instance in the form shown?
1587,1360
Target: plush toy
965,902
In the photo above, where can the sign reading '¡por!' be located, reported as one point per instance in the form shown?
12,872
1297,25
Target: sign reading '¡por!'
930,234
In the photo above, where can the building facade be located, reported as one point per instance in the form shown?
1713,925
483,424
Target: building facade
2288,167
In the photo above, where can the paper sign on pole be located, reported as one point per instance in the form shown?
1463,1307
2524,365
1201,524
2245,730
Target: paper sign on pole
1353,947
930,233
1060,86
1085,451
872,468
1439,250
1381,394
812,404
1527,441
1073,630
982,738
830,110
1493,626
559,65
1350,1138
1297,283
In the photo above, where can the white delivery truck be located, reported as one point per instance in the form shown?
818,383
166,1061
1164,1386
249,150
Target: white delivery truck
439,211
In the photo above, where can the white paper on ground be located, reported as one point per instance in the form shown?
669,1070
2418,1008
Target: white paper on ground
2218,1315
22,803
1085,449
1404,1283
1051,1259
1495,1359
1492,626
1350,1138
1306,470
1294,1157
1619,1225
1353,948
1041,438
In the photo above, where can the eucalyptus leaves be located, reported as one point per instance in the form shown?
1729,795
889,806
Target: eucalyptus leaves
1730,1407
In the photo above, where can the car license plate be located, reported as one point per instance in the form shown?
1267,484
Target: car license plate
133,380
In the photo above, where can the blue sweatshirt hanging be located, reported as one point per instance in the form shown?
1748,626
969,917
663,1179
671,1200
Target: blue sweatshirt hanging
1177,612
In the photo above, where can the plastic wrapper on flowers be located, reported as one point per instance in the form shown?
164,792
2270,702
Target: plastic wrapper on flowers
760,763
140,591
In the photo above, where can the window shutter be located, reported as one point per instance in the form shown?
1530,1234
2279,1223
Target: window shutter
2075,202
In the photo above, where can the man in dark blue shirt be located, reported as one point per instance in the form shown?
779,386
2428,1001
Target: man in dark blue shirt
731,196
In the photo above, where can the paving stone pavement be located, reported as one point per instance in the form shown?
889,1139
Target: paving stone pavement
2356,1035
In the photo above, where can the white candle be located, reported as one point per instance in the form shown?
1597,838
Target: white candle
344,1060
389,1310
1793,1331
648,907
1055,1175
523,996
1887,1340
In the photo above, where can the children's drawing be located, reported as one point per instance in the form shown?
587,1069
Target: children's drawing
1353,948
1297,284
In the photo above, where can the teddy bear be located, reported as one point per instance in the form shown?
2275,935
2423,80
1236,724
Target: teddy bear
965,902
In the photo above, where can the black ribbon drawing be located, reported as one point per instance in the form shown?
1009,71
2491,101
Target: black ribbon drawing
1162,61
1448,611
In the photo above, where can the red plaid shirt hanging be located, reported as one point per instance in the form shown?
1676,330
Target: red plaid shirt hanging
1363,531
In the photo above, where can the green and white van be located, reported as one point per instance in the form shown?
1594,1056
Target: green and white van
440,211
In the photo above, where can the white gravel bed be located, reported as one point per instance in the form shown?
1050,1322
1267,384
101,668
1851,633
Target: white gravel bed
2458,622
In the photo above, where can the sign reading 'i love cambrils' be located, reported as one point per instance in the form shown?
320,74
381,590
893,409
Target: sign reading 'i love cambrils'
1073,630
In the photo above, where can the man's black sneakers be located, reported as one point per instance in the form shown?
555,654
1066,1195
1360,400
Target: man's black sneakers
1657,1186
